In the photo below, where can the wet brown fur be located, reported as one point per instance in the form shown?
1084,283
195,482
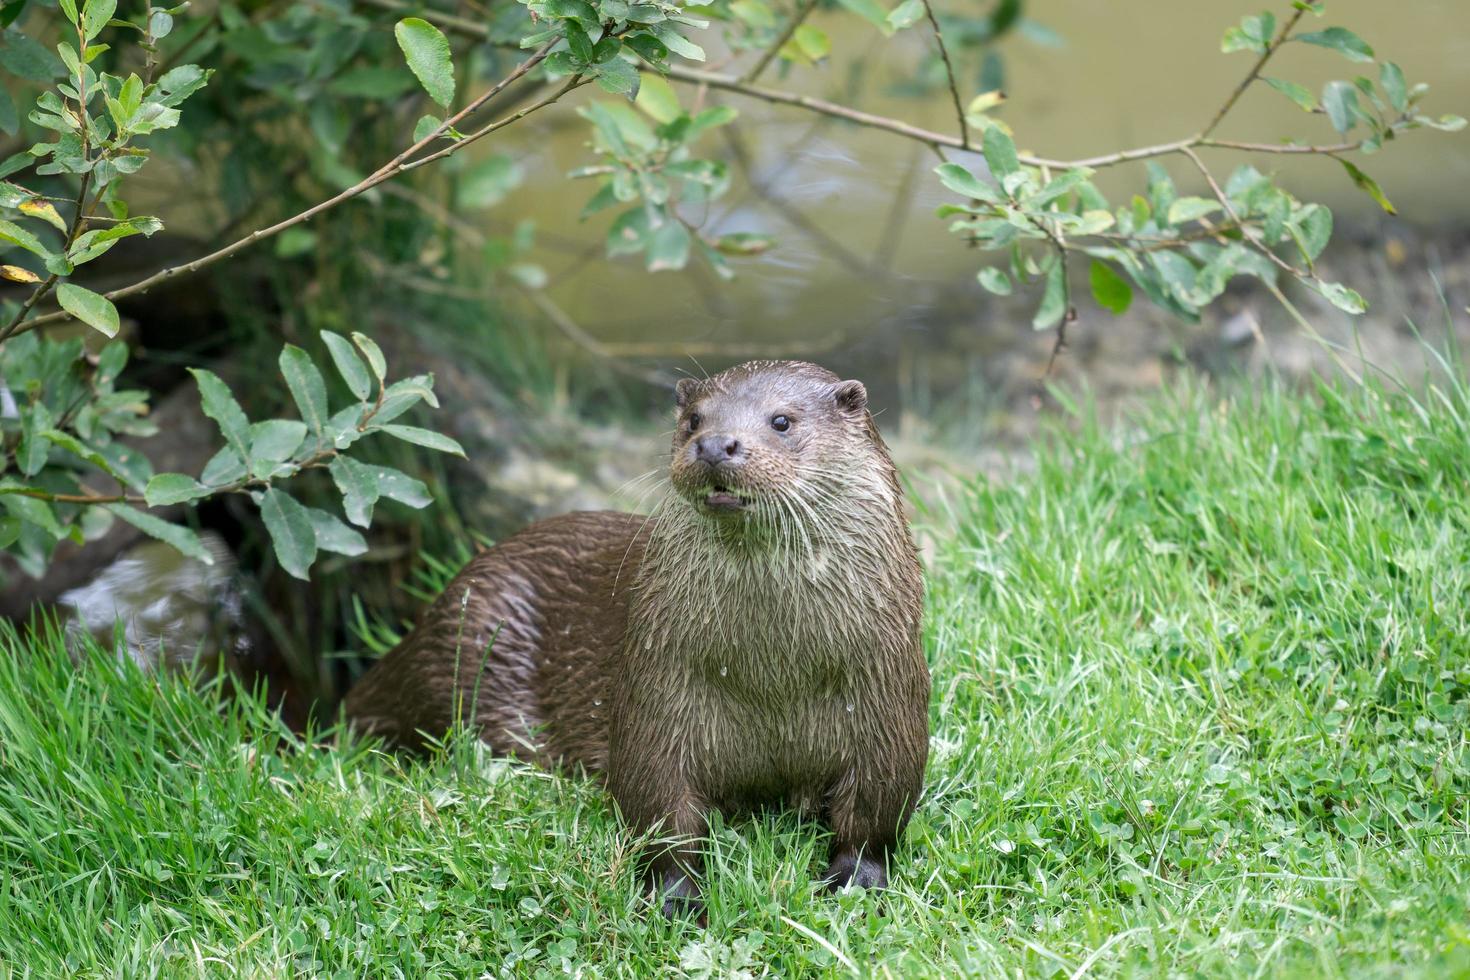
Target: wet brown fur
703,658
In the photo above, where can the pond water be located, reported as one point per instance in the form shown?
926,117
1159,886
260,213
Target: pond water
865,275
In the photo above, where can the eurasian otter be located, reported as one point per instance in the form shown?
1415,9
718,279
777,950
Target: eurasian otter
757,639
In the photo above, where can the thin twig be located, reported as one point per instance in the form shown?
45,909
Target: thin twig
73,498
78,219
770,53
1224,200
1255,72
954,89
398,165
936,140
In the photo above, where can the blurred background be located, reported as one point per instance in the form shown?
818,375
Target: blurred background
553,362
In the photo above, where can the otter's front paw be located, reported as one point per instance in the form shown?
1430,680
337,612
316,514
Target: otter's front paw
850,867
679,897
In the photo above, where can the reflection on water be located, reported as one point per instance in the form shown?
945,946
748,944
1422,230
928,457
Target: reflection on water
169,606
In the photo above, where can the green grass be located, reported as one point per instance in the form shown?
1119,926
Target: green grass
1201,703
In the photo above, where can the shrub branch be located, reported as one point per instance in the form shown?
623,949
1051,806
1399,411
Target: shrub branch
770,53
398,165
954,89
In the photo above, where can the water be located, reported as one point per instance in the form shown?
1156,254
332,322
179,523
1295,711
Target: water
866,271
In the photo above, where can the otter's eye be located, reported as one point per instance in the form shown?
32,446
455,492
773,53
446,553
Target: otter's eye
694,421
780,423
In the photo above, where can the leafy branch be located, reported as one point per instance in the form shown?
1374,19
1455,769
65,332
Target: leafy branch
1166,245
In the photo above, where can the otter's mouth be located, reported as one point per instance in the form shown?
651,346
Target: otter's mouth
721,499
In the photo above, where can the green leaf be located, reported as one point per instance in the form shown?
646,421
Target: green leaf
966,184
1368,185
1297,93
870,11
358,485
677,43
373,353
183,540
424,127
401,487
617,77
629,233
812,42
349,365
1341,40
273,441
127,464
427,52
1058,187
1312,229
1000,153
306,385
405,393
75,446
575,10
709,118
291,531
29,509
95,15
27,58
181,82
219,404
1391,80
91,308
32,450
669,246
1340,100
995,280
657,98
756,13
1053,298
16,235
371,82
1340,296
650,49
744,243
333,535
1253,34
906,14
1110,290
224,467
423,437
579,44
1447,123
1187,209
141,225
342,428
174,488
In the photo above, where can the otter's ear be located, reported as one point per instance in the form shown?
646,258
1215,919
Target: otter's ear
684,392
851,397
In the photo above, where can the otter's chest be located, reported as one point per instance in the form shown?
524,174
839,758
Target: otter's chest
775,625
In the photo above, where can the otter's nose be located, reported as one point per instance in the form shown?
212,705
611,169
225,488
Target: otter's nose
716,449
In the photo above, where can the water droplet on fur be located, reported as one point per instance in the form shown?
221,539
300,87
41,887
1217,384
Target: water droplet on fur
849,709
724,671
648,643
597,702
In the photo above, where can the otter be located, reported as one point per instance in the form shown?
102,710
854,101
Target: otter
755,640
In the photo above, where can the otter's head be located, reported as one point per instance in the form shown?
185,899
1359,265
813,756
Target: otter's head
773,439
